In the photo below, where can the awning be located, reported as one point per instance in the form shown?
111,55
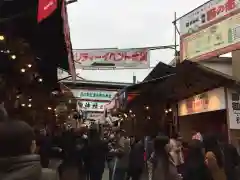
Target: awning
190,78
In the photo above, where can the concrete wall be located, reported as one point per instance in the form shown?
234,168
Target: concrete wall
203,122
225,68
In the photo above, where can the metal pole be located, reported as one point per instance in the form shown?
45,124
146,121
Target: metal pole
175,34
175,39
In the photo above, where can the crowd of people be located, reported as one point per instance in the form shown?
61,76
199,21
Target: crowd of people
26,154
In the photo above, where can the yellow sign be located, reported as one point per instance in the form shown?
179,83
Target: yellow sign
217,39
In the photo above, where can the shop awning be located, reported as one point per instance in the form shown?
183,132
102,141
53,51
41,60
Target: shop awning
190,78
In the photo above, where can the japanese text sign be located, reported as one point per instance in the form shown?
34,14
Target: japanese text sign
91,105
215,40
45,9
234,109
85,94
126,58
207,13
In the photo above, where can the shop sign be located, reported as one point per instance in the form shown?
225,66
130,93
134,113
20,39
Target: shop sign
215,40
91,105
234,109
93,115
45,9
124,58
208,101
94,94
209,12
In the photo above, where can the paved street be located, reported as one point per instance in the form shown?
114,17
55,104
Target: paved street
72,173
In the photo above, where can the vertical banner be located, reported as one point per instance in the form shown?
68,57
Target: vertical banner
45,9
68,40
233,109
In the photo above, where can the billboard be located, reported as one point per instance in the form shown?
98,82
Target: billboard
210,30
207,13
215,40
112,58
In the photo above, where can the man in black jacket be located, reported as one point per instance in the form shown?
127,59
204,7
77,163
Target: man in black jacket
17,161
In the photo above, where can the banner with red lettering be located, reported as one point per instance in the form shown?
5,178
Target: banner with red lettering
117,58
45,9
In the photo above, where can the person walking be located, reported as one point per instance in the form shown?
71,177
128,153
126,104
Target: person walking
136,160
214,158
121,160
163,167
96,153
195,167
17,158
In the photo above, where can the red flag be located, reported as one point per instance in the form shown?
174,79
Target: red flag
45,9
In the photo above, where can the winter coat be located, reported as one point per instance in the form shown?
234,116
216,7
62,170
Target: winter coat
122,151
27,167
136,157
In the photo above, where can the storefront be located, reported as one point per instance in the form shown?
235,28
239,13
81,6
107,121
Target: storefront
216,111
154,107
205,112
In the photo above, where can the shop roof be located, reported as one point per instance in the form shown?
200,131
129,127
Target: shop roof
95,84
160,70
190,78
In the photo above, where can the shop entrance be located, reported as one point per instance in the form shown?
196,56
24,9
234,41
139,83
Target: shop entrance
207,122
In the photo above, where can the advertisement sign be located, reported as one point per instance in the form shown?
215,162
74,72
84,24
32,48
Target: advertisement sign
234,109
215,40
208,13
45,9
98,95
126,58
209,101
91,105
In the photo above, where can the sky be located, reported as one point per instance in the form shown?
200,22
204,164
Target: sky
125,24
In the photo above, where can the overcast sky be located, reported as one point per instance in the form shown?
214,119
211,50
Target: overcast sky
125,24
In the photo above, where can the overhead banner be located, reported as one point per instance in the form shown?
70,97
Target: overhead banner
215,40
112,58
207,13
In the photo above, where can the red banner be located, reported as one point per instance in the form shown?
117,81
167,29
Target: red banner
45,9
132,58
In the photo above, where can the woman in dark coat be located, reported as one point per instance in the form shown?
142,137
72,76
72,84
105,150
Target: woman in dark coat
96,152
195,168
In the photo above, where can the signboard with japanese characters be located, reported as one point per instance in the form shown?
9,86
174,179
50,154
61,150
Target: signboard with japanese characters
234,109
215,40
210,30
209,101
86,94
91,105
112,58
207,13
